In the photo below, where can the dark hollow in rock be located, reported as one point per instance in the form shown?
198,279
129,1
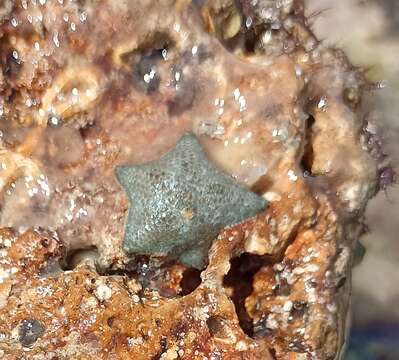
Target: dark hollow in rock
29,331
240,279
215,325
190,281
75,257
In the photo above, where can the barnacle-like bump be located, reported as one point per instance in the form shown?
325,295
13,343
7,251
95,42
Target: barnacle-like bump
14,165
74,90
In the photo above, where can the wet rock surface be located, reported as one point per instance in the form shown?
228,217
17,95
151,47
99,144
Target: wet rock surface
374,310
122,82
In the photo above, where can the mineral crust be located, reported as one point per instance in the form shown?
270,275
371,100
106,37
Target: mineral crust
87,86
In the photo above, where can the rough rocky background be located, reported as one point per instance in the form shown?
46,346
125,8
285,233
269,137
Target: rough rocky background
262,315
368,31
297,302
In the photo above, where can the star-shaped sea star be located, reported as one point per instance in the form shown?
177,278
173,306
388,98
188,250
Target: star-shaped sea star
179,203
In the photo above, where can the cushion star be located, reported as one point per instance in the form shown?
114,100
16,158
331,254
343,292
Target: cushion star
180,202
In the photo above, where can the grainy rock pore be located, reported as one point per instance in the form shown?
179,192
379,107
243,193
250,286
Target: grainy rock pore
86,86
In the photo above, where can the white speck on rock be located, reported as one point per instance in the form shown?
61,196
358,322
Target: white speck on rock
287,306
292,176
103,292
135,341
241,346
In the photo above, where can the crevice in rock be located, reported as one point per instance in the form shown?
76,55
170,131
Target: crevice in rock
190,281
308,155
239,280
170,279
145,59
75,257
273,353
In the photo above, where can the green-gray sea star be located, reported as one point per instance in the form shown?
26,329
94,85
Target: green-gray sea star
179,203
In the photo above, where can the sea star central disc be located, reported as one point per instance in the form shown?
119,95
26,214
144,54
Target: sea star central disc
179,203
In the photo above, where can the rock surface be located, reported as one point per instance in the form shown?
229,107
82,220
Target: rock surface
87,86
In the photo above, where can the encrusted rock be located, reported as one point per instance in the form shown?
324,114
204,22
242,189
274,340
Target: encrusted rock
122,81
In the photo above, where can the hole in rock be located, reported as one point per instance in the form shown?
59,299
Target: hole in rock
30,330
251,38
215,325
87,128
146,59
170,279
273,353
75,257
190,281
240,281
308,155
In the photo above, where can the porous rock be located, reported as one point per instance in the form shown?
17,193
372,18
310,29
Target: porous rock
127,79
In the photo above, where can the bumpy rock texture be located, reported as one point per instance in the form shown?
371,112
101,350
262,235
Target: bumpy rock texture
89,85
